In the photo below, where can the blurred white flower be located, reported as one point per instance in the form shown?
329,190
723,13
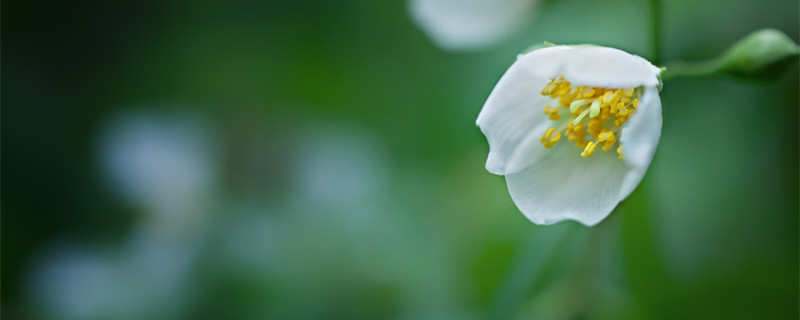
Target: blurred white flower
74,284
250,242
341,183
339,166
599,99
164,163
470,24
147,279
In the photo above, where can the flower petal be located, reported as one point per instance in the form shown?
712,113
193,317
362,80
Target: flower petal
608,68
565,186
513,110
529,151
469,24
545,63
639,139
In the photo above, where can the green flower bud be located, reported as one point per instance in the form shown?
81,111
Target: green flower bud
762,54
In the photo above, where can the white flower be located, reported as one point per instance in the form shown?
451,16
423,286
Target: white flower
76,282
600,99
166,163
470,24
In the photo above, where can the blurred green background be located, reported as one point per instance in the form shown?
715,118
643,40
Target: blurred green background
319,160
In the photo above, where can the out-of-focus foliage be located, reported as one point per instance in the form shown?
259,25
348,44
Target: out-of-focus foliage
319,159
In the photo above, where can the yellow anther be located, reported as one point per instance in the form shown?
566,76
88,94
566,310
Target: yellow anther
605,114
547,134
547,88
575,132
554,115
619,151
576,127
594,127
563,90
607,96
628,92
615,97
588,151
610,136
608,145
602,136
609,139
555,138
550,137
587,92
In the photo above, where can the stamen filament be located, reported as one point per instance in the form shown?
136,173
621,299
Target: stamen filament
578,103
580,117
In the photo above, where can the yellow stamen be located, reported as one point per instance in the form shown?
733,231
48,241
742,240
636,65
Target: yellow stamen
550,137
599,112
554,114
628,92
555,138
594,127
589,150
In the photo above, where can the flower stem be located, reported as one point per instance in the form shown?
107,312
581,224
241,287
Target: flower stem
689,69
655,31
525,270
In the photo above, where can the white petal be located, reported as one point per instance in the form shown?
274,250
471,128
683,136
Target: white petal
529,150
608,68
513,111
564,186
469,24
639,139
545,63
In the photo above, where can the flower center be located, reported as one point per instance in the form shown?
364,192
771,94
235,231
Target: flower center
597,114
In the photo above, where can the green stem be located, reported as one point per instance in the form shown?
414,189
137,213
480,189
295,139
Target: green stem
655,31
690,69
525,270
